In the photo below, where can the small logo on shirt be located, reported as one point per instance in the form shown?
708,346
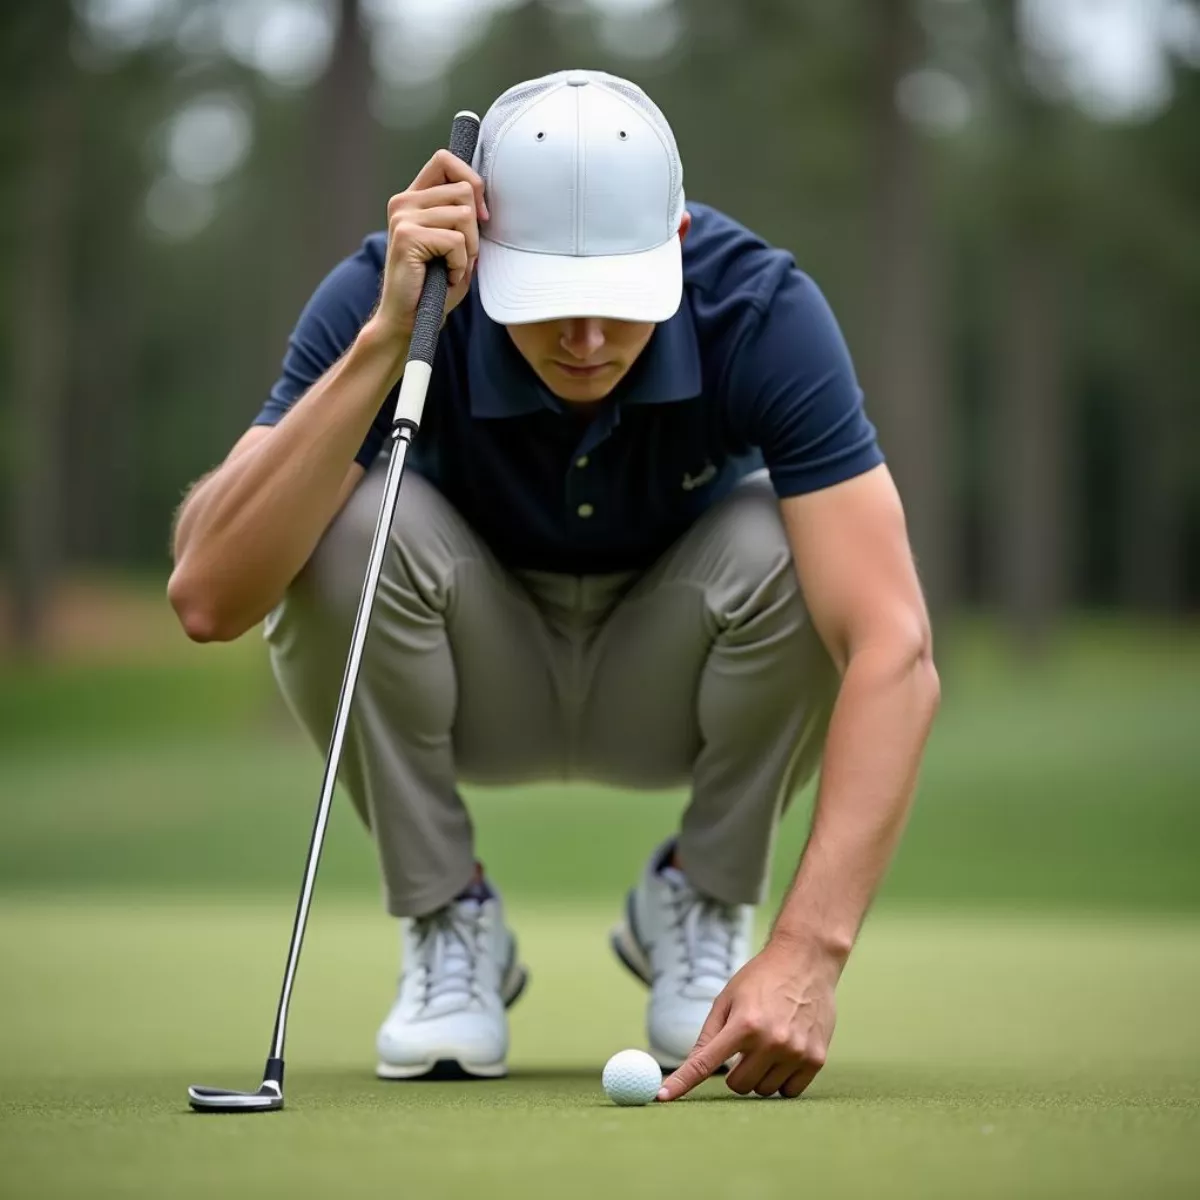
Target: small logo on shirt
691,482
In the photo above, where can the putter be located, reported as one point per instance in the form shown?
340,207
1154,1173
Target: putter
410,403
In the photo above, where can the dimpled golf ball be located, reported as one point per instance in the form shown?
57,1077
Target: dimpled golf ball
632,1077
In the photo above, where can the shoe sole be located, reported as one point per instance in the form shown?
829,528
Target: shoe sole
628,949
440,1070
436,1070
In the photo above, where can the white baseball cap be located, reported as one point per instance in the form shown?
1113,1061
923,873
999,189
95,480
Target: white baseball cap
584,191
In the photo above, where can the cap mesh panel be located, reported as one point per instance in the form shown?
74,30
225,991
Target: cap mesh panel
507,108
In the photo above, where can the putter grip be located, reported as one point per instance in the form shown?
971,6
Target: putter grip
428,322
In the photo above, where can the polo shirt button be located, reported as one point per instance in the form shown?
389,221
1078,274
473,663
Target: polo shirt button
582,461
585,510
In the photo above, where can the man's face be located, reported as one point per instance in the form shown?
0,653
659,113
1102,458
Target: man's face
581,359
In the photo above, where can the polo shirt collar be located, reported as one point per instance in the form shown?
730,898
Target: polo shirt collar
502,384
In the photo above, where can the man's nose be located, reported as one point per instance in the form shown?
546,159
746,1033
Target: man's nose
582,337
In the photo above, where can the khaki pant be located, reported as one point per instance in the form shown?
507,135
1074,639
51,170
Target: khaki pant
703,669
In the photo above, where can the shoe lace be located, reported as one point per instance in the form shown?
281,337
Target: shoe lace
708,934
447,952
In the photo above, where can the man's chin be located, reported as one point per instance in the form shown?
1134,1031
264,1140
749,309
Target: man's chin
582,391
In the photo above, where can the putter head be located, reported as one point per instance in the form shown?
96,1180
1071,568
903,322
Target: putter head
205,1099
268,1098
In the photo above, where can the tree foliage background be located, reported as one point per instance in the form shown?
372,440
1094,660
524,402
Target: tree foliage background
1017,270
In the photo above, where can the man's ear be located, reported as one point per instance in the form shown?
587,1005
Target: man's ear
685,224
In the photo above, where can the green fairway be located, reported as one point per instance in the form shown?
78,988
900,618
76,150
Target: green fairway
986,1056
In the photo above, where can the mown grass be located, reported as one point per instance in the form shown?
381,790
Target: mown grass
1019,1018
1070,784
989,1056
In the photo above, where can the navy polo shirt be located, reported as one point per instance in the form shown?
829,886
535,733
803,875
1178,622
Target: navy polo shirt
751,371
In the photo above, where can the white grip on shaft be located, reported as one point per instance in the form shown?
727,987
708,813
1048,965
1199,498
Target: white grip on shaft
414,387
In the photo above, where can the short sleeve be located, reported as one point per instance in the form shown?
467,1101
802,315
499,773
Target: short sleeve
327,326
792,393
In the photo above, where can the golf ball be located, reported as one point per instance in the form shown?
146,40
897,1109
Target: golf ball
632,1077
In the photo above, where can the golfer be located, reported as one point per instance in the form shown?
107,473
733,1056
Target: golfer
647,539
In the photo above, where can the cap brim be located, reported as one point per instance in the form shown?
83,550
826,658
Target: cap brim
517,286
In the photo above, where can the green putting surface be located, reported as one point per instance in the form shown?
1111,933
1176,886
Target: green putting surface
979,1055
1022,1017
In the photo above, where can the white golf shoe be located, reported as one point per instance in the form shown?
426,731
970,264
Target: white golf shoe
460,974
685,947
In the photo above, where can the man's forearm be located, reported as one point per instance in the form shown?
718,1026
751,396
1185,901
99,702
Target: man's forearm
877,734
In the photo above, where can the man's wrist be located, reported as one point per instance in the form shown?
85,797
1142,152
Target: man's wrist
805,941
378,341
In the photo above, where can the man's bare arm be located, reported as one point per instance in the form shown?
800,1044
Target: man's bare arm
852,554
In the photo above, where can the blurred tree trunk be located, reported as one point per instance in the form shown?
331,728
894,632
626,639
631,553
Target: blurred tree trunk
42,340
1032,460
1029,446
906,367
347,203
1155,447
103,458
104,487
